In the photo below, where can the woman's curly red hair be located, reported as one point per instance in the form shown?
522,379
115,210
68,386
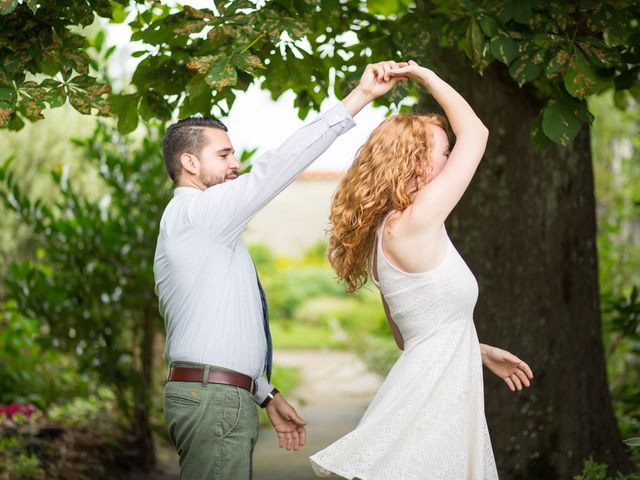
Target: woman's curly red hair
396,153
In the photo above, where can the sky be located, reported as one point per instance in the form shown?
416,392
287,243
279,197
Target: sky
257,121
254,119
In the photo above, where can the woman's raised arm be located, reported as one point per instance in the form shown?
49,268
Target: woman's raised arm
435,200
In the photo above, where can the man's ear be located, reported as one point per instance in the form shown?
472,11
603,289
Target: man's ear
190,163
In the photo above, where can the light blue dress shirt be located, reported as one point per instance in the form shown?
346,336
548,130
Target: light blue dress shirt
204,276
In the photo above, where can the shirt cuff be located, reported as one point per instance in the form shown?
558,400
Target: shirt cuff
338,118
263,388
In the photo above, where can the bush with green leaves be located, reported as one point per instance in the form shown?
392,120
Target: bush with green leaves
616,147
16,463
593,470
622,326
290,287
91,285
29,371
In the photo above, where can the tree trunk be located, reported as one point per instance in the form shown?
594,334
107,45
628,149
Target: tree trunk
143,393
526,227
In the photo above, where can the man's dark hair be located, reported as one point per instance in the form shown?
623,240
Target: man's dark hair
186,135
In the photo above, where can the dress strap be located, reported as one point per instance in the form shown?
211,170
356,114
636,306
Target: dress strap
373,258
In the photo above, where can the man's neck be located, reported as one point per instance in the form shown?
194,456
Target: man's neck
191,184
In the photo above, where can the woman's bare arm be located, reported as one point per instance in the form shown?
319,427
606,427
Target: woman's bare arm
437,198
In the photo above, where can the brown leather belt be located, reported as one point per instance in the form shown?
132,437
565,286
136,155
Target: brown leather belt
196,374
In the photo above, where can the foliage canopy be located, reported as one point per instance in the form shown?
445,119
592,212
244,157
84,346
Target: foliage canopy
195,60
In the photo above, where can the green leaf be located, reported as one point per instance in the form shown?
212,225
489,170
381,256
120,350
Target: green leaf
538,138
99,40
488,25
633,442
557,63
559,122
153,105
16,122
525,69
504,49
7,6
33,5
474,42
32,109
126,108
6,111
600,54
76,59
248,62
621,99
626,79
581,79
109,52
190,27
517,10
386,7
8,95
56,97
81,102
118,12
200,14
203,64
221,74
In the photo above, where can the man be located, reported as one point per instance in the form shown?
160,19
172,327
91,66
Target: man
218,343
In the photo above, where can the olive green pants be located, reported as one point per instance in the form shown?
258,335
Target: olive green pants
213,426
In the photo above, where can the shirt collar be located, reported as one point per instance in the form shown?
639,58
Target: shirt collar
178,191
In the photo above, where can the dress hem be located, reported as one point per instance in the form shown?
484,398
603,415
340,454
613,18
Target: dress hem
317,466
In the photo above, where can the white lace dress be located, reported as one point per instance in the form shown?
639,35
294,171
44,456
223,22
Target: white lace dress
427,419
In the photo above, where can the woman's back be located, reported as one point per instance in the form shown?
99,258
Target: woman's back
420,303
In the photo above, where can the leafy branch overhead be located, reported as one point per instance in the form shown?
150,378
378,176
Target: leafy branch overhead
198,59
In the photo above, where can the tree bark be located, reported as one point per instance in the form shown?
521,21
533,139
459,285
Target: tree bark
526,227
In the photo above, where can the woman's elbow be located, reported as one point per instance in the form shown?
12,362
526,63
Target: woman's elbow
475,132
483,131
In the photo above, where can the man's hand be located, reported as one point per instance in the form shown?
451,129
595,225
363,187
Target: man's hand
287,423
375,81
507,366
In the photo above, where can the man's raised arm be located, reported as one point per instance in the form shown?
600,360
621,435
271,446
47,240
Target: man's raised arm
225,209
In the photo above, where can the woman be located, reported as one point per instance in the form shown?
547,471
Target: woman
427,419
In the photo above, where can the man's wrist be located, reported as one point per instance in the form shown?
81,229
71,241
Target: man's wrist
363,94
356,101
270,396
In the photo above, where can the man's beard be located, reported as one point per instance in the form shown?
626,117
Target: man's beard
211,180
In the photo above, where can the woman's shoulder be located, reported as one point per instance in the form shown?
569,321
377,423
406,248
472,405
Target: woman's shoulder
411,248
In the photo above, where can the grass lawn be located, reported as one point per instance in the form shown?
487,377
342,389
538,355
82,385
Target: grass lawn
302,335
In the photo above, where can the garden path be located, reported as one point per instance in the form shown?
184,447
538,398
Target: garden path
334,391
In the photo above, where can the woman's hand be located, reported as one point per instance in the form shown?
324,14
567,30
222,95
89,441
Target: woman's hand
507,366
413,71
376,80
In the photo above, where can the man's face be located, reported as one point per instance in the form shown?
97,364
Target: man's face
217,159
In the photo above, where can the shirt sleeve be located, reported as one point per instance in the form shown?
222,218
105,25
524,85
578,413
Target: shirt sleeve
223,210
263,388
